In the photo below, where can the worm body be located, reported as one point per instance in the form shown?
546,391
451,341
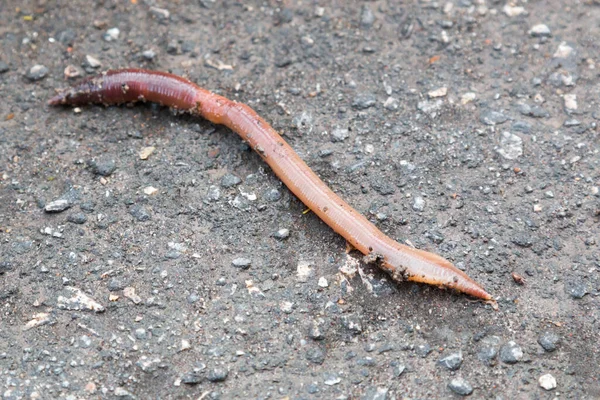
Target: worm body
400,261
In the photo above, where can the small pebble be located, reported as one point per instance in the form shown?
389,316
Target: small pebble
452,361
316,331
511,353
149,54
150,190
140,213
323,282
391,103
418,204
57,206
549,341
570,101
521,126
511,146
282,234
547,382
540,30
103,167
272,195
352,323
192,378
242,263
430,107
331,379
572,122
491,117
576,289
230,180
367,18
37,72
77,218
217,374
146,152
460,387
513,11
423,350
339,134
315,355
534,111
4,67
440,92
140,334
91,62
160,14
364,101
111,35
71,72
467,98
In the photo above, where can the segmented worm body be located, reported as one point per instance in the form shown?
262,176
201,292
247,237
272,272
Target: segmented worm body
400,261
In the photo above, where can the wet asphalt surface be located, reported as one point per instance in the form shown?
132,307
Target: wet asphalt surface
153,256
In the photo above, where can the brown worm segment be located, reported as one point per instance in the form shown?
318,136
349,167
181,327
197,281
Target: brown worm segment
400,261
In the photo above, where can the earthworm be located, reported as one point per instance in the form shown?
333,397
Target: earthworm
403,263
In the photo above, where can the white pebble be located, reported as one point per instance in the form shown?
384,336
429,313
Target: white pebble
563,51
467,98
540,30
513,11
440,92
570,101
547,382
112,34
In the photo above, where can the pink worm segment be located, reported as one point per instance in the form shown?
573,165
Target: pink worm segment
400,261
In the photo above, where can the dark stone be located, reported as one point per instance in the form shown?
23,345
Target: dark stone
242,263
37,72
77,218
282,234
364,101
576,289
66,37
192,378
488,354
549,341
315,355
460,387
521,126
511,353
3,67
115,284
534,111
423,350
452,361
103,167
5,266
339,134
352,323
383,188
523,240
230,180
366,17
140,213
217,374
273,195
316,330
491,117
